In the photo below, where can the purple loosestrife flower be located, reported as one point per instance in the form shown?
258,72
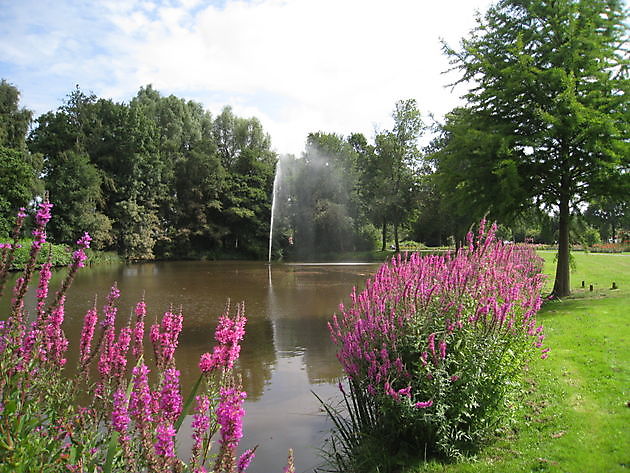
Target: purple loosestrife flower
245,459
45,274
107,353
120,412
229,333
87,334
84,241
25,350
200,424
43,214
110,308
170,397
138,329
207,363
140,402
442,349
165,440
423,405
431,344
119,351
165,338
230,416
55,340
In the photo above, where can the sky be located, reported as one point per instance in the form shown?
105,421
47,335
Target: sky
299,66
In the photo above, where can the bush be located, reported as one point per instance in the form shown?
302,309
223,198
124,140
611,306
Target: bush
434,346
59,255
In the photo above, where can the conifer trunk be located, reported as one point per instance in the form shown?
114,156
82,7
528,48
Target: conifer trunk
384,235
562,287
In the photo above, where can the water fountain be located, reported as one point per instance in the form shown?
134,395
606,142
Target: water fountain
276,184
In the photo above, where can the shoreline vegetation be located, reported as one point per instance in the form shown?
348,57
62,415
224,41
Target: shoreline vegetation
61,255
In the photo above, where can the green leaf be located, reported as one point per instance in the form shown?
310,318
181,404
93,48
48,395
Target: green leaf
111,452
188,403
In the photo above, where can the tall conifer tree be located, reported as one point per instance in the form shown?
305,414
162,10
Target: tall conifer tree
547,117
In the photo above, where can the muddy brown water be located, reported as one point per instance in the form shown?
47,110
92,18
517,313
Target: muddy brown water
286,353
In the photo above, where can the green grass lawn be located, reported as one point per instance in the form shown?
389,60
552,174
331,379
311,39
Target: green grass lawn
575,413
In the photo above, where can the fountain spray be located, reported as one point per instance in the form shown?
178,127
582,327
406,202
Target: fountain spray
276,184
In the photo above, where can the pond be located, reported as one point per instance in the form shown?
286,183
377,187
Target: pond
286,354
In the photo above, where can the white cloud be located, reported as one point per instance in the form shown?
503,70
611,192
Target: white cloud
298,65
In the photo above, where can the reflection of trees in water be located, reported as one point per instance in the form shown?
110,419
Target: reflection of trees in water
309,336
255,363
304,299
258,357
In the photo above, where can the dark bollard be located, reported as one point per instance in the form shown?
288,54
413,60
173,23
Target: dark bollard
590,288
582,283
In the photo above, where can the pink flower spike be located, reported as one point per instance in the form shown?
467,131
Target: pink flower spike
230,416
245,459
201,421
442,349
84,241
170,397
120,413
165,443
423,405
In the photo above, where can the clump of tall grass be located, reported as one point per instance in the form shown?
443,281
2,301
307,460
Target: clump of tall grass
434,346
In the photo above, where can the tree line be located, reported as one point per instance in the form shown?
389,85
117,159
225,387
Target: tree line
157,177
541,145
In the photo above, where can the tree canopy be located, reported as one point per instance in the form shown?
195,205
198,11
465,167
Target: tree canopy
546,120
541,145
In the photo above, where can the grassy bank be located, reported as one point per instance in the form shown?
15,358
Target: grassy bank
59,255
574,415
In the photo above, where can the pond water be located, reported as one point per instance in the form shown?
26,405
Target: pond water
286,354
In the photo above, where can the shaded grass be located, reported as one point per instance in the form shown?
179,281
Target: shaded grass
574,414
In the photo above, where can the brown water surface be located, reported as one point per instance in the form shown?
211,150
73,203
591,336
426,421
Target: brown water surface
286,352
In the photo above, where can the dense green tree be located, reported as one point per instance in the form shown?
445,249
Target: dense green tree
14,121
390,170
372,188
244,150
74,185
185,148
72,180
609,216
547,117
19,169
157,177
16,176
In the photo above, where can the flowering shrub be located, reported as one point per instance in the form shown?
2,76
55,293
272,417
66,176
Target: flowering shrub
114,412
611,247
433,347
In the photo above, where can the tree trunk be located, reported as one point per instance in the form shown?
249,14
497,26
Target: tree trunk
384,235
396,237
562,287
